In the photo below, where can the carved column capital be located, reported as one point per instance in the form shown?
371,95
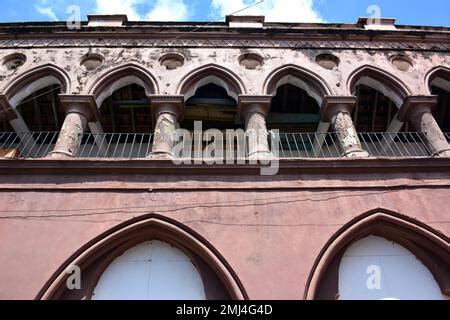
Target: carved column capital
84,105
416,104
248,105
173,104
332,105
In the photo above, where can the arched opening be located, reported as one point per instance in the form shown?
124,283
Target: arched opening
379,97
211,74
214,107
439,84
380,81
304,79
295,113
43,116
374,268
127,126
126,122
153,257
374,111
32,129
442,111
152,270
211,93
35,80
127,110
42,111
121,77
293,110
356,249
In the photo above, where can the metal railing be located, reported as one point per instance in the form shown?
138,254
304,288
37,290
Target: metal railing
284,145
327,145
399,144
306,145
109,145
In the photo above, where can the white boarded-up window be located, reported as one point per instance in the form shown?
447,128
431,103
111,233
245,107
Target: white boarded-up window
374,268
150,271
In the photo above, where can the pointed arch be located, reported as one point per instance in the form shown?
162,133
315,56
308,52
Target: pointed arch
427,244
94,257
300,77
439,77
211,73
34,80
378,79
120,77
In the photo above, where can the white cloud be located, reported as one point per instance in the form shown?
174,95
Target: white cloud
127,7
168,10
47,11
163,10
274,10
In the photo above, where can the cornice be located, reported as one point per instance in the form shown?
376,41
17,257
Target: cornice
166,167
215,41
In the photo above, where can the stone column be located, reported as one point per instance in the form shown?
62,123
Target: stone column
253,111
417,110
79,111
167,112
338,110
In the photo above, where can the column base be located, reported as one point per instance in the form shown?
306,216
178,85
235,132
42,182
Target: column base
59,155
261,155
160,156
443,154
356,154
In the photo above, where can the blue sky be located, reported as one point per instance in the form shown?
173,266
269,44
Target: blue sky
414,12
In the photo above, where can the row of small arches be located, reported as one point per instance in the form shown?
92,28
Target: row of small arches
287,113
315,85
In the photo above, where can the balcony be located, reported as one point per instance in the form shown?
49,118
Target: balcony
283,145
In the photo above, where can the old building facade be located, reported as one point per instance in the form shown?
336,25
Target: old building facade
353,118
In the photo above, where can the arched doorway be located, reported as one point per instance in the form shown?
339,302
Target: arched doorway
131,255
356,253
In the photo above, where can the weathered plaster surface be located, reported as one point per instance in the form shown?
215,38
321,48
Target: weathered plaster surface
254,80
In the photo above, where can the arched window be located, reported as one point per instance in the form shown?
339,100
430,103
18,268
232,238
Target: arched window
374,268
152,270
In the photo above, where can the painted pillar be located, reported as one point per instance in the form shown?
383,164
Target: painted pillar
79,111
167,112
417,110
253,111
338,110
